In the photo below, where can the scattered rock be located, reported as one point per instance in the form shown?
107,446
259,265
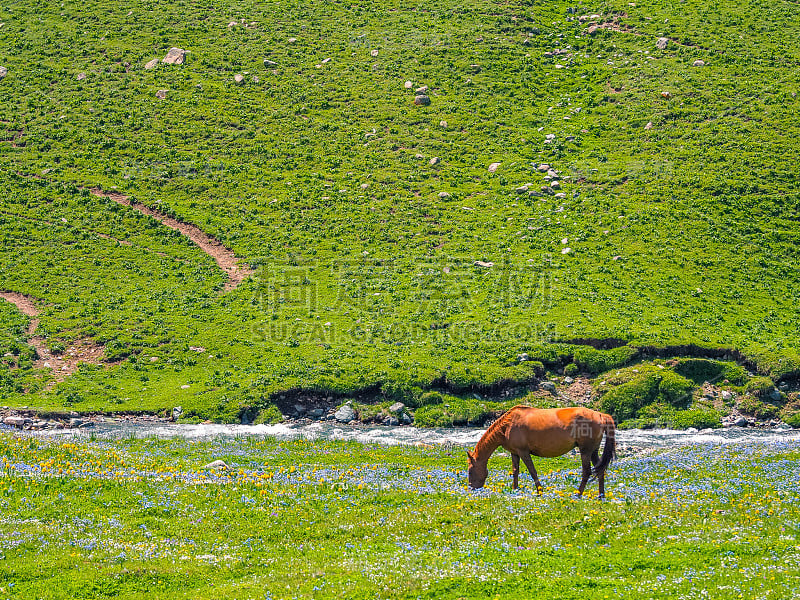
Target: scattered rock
177,412
649,126
422,100
444,195
217,464
493,167
238,79
443,124
421,90
726,396
270,64
408,85
699,63
397,407
151,64
3,72
775,395
543,168
556,185
316,413
434,161
75,422
80,76
661,43
569,380
523,189
406,419
175,56
161,94
345,414
373,53
592,29
548,386
741,422
480,263
19,422
299,409
523,357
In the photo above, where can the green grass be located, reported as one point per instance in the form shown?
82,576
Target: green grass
682,235
88,518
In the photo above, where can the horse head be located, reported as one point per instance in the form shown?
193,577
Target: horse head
476,473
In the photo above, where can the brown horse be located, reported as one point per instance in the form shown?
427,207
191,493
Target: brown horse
548,433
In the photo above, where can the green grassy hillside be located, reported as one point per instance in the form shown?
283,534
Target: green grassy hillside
378,267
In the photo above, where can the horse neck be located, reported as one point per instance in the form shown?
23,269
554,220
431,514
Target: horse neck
489,443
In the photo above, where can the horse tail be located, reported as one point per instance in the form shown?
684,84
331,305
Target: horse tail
610,448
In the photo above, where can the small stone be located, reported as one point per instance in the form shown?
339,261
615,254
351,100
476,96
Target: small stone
422,100
3,72
75,422
493,167
548,386
568,380
177,412
185,386
408,85
299,408
775,395
80,76
434,161
699,63
270,64
217,464
486,265
292,40
556,185
666,95
523,189
741,422
19,422
443,124
523,357
175,56
566,250
239,79
397,407
444,195
345,414
543,168
161,94
726,396
422,89
552,172
316,413
373,53
661,43
151,64
592,29
406,419
649,126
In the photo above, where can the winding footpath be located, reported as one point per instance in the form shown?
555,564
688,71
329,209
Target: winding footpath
223,256
62,365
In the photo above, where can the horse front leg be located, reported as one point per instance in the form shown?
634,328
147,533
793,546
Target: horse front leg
586,473
526,458
515,472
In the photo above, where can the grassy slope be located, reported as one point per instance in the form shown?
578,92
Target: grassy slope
679,233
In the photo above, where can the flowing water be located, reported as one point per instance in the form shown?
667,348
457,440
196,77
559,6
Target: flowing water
463,436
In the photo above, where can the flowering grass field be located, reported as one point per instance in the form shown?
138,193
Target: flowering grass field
128,518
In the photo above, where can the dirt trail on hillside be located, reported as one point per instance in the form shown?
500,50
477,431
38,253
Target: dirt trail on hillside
62,365
224,257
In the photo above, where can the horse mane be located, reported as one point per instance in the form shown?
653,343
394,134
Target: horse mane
490,439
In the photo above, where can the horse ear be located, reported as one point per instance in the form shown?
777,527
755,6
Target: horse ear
470,457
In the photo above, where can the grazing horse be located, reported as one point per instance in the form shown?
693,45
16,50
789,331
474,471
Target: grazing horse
548,433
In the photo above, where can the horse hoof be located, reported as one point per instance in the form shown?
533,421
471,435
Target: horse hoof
601,497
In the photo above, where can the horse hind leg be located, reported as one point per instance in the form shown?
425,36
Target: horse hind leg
526,458
586,472
601,483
